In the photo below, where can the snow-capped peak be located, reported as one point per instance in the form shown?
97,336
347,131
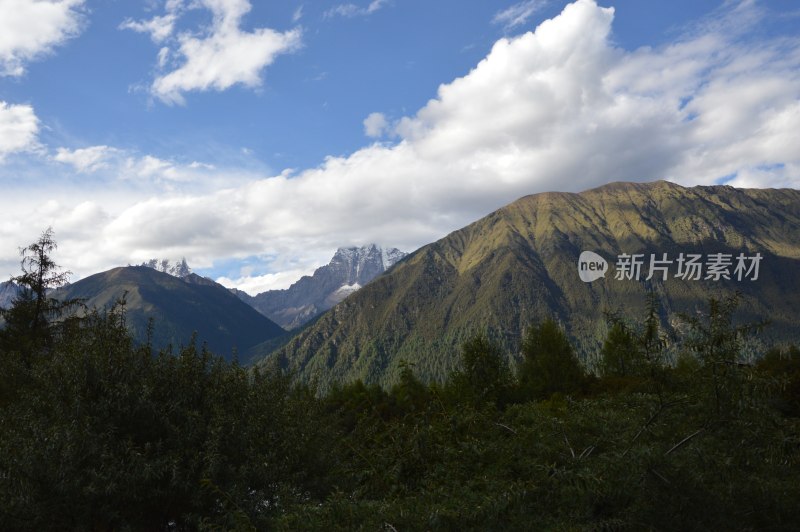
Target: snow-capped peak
179,269
390,256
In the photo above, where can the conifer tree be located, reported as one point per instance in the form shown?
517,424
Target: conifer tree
550,364
31,321
484,376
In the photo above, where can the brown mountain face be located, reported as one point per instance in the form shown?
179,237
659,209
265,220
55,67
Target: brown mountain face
519,265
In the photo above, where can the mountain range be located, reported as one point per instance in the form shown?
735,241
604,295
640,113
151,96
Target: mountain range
349,270
519,265
566,256
179,307
181,303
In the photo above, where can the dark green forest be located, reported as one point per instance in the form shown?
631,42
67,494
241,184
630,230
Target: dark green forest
98,432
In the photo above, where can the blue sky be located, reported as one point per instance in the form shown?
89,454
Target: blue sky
254,138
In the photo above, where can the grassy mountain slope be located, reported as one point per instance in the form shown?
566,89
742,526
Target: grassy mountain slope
179,307
518,265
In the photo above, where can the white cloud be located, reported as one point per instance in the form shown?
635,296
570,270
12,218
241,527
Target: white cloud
519,13
558,108
149,166
146,171
18,128
29,29
164,54
159,28
350,10
298,14
85,160
779,176
375,125
213,58
376,5
343,10
255,284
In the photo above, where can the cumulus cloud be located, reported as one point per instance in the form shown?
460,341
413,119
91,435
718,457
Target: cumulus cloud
558,108
350,10
85,160
148,172
518,14
81,247
18,128
29,29
149,166
256,284
213,58
375,125
159,28
142,171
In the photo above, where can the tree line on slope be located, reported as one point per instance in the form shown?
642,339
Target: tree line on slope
98,433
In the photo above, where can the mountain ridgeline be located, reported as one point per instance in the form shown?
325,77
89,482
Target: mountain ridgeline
519,265
179,307
349,269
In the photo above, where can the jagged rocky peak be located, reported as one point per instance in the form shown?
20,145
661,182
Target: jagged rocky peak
390,256
8,292
359,265
349,270
179,269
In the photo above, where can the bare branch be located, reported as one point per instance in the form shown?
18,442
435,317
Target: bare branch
683,441
506,427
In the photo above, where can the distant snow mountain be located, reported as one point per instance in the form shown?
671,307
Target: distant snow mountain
178,269
349,270
8,291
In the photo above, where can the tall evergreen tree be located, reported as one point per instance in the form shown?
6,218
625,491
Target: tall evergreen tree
31,321
620,354
550,364
484,376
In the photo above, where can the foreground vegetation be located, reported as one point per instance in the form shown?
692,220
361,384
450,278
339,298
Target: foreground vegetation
98,433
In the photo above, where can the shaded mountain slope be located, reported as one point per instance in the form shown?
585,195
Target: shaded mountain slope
178,307
518,265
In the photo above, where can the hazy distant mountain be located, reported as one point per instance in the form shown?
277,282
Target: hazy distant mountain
519,265
178,306
349,269
8,291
